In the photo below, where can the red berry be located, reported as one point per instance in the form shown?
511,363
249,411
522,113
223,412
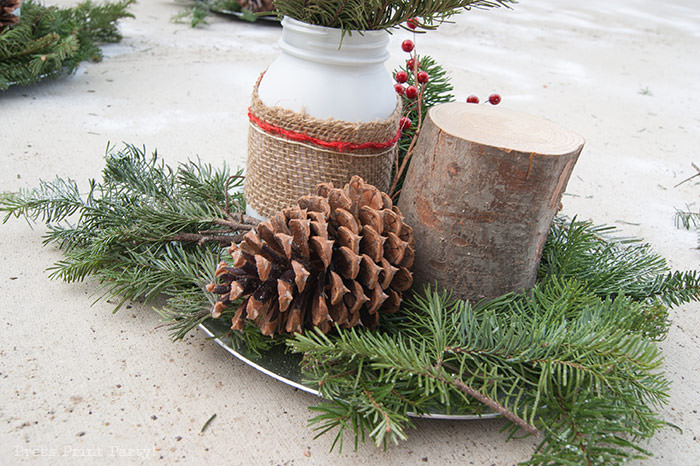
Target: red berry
412,23
422,77
494,99
407,45
405,123
411,92
472,99
410,63
399,89
401,76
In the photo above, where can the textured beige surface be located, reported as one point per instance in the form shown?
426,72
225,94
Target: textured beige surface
76,380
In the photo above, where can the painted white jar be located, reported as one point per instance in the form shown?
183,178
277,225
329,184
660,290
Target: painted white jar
327,75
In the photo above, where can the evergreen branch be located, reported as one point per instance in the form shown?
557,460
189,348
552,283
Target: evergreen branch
497,407
138,230
362,15
675,288
548,353
612,267
593,430
50,202
687,218
49,41
198,10
184,311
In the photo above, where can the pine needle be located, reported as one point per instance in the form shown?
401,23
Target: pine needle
206,424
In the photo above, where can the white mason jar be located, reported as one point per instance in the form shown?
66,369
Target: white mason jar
326,74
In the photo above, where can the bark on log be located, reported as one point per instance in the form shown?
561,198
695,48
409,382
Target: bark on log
481,192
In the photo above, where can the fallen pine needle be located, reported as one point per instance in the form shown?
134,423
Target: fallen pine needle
206,424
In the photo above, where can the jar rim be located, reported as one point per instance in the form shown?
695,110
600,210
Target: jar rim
333,45
289,21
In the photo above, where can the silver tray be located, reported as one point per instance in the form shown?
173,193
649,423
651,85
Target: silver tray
240,15
285,368
42,77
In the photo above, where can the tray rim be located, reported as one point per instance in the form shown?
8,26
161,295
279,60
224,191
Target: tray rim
450,417
240,15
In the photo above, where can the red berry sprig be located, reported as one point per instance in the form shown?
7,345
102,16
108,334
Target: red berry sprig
494,99
405,86
410,84
412,23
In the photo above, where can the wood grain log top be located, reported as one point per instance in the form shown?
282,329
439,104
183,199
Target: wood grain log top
504,128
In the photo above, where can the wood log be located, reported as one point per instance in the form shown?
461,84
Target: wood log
481,192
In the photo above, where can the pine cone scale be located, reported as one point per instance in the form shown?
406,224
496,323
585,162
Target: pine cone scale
7,13
257,6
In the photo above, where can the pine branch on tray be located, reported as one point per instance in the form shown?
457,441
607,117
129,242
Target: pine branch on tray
50,41
552,359
197,11
144,231
574,360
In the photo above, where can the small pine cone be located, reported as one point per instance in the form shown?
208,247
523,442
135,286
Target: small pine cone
340,257
8,17
257,6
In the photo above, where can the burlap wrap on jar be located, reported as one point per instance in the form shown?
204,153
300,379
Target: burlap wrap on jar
290,153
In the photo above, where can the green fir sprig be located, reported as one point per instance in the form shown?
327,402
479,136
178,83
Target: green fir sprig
362,15
557,361
50,41
197,11
575,360
610,266
687,218
690,217
437,90
145,230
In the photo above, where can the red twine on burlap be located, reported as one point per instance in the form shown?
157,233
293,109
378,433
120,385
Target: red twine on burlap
340,146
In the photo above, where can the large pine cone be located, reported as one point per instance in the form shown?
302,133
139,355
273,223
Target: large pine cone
341,257
7,13
257,6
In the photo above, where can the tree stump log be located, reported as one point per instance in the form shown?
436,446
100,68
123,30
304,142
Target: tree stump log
481,192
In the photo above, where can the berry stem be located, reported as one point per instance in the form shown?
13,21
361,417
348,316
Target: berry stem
409,152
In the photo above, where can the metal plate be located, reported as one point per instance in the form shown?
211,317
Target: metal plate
55,75
240,15
285,368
